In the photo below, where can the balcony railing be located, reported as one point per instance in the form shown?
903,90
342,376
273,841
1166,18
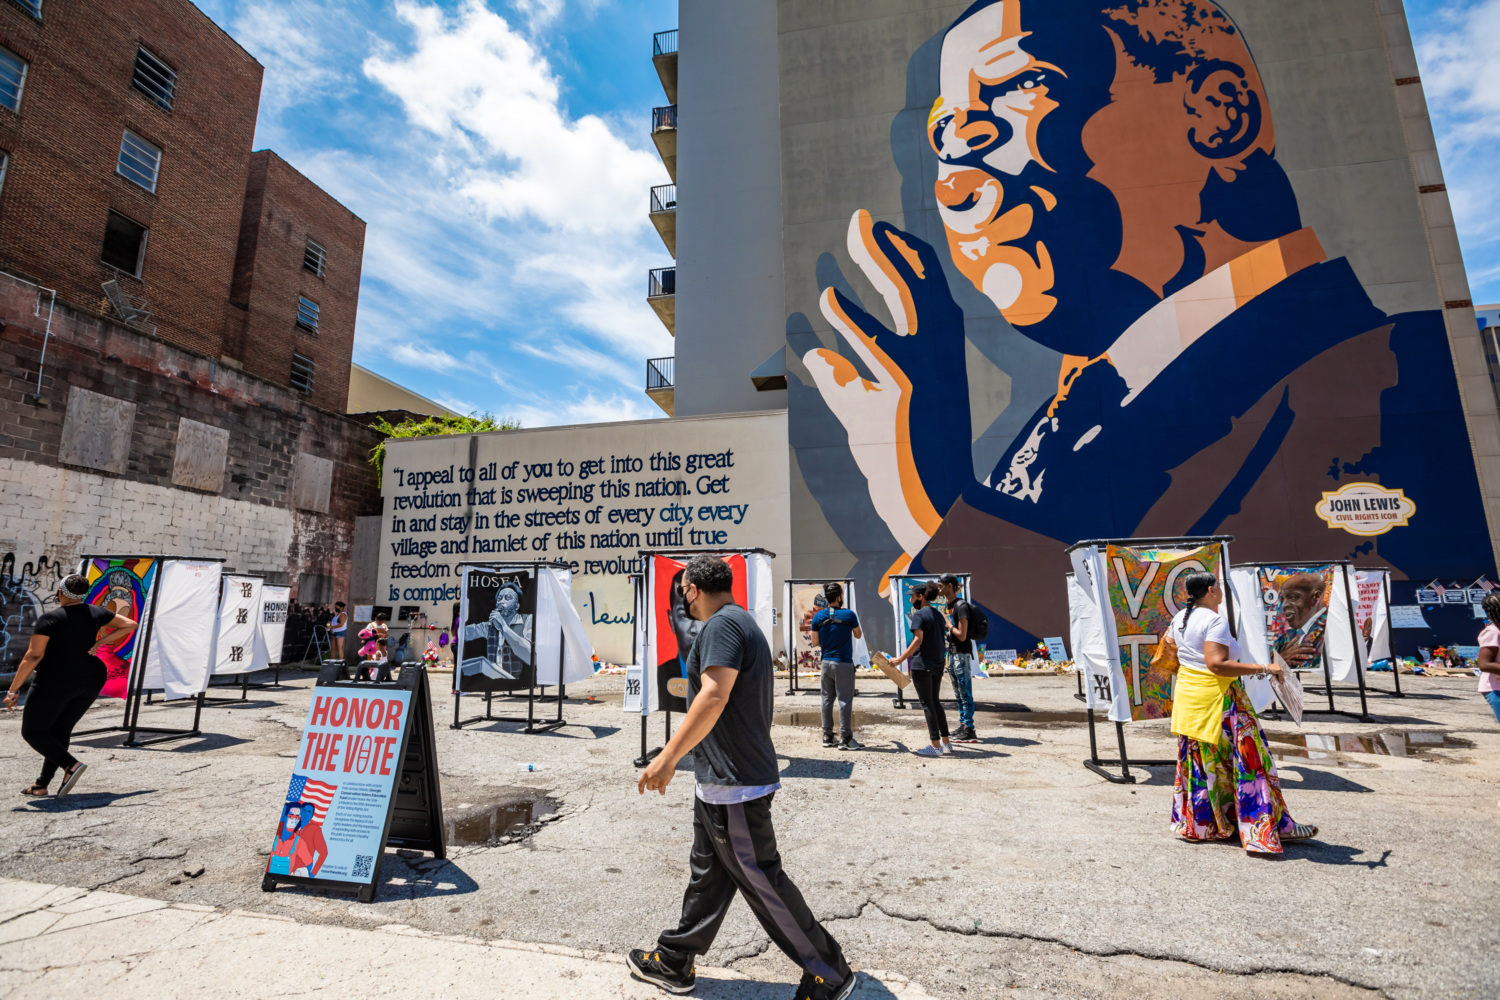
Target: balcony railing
664,118
662,281
664,43
664,198
659,373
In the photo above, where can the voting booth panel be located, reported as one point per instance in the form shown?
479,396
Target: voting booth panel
666,631
172,648
239,623
517,631
275,600
181,652
801,601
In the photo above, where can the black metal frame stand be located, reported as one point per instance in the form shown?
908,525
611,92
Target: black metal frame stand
647,756
1100,765
135,692
530,719
244,685
791,654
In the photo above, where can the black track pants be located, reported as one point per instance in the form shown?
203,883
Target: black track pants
734,850
52,710
929,685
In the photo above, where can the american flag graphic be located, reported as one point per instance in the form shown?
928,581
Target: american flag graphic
319,793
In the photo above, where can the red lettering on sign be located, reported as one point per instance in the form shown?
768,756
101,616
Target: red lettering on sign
393,715
363,763
377,712
320,712
320,753
357,713
350,749
311,742
333,751
387,754
339,713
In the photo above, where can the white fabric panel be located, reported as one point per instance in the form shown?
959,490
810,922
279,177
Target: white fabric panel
1250,629
1380,633
557,620
760,592
861,648
181,651
786,621
1088,569
275,601
1343,655
647,642
239,624
1086,635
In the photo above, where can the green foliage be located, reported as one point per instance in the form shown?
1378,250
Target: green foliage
432,426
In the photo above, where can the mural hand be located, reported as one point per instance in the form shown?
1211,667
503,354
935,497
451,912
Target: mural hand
919,377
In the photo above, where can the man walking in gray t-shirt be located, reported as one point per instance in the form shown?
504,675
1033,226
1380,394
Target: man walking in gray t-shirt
728,731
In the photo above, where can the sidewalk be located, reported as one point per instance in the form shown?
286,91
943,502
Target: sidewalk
62,942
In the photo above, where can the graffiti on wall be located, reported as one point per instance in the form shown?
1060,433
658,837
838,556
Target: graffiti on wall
1092,185
25,595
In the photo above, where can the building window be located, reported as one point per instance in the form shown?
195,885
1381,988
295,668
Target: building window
12,79
307,314
124,244
154,78
302,373
4,165
314,257
140,161
32,7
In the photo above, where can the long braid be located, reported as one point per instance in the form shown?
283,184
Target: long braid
1187,612
1492,607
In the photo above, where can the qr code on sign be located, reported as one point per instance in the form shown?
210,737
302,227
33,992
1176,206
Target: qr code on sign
362,864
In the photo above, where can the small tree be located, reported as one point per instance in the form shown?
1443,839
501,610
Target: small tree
432,426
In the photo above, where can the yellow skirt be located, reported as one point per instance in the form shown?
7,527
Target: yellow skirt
1198,704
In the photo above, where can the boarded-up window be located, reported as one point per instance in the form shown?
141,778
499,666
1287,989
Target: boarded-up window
312,482
96,431
201,451
315,588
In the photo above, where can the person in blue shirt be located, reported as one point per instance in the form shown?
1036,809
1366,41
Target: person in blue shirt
834,630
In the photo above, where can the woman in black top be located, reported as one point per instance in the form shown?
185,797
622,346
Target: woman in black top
69,678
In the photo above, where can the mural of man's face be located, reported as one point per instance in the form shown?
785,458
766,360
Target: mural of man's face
293,819
1301,596
1050,132
507,601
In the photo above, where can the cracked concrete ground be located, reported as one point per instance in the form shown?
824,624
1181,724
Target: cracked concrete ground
1006,870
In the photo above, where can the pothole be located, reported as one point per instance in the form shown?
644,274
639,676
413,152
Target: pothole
496,820
1393,743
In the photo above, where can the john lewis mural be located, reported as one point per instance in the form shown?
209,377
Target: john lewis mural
1099,310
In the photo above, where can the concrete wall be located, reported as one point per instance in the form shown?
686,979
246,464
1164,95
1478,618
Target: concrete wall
1361,365
593,495
729,285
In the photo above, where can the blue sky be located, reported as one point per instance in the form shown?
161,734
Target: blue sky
499,153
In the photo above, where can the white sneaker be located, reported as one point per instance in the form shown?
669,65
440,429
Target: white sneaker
929,751
947,748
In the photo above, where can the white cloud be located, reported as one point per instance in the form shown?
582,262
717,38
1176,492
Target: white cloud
492,99
588,409
508,241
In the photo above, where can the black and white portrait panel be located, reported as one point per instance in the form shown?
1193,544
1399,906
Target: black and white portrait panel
499,626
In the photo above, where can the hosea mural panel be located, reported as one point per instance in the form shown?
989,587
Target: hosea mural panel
1055,279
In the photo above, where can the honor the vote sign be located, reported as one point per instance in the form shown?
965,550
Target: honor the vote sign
332,825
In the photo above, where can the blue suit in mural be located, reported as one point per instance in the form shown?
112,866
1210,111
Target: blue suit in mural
1181,355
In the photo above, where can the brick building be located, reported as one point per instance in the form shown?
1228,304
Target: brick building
296,282
176,315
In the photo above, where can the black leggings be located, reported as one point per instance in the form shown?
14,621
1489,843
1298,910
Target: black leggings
929,685
47,723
